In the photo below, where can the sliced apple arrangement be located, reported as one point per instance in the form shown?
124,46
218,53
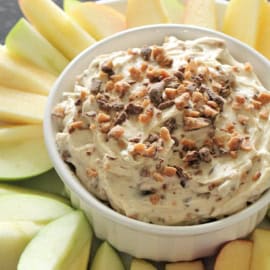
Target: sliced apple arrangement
40,230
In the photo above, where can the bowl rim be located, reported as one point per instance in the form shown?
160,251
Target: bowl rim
75,185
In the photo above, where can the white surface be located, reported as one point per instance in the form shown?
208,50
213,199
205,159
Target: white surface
134,237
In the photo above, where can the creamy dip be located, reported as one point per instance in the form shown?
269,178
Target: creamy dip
171,134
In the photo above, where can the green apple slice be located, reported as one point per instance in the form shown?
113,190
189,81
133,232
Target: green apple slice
107,258
174,9
26,42
30,207
21,107
70,4
137,264
19,133
61,31
62,244
6,189
19,74
98,20
14,236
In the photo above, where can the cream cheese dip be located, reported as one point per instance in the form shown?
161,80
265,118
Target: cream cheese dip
170,134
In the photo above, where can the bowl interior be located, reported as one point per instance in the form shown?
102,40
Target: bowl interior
139,37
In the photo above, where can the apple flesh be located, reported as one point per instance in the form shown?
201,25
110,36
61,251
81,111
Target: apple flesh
240,20
201,13
14,236
141,12
234,255
26,42
29,207
61,31
17,133
98,20
106,258
263,36
174,9
21,107
195,265
62,244
137,264
19,74
260,259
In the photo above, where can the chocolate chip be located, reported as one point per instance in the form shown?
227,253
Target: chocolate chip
155,92
133,109
103,104
215,97
146,53
121,118
170,124
179,75
95,86
205,154
171,82
118,107
107,68
182,176
134,140
152,138
166,104
191,156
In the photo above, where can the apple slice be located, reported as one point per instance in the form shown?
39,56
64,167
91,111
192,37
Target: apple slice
137,264
234,255
21,107
62,244
240,20
19,133
19,74
30,207
61,31
26,42
14,236
7,189
201,13
70,4
174,9
24,159
98,20
141,12
106,258
263,37
260,259
195,265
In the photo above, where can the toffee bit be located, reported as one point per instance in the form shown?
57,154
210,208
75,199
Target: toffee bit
95,86
165,134
182,101
191,123
205,154
166,104
264,98
171,82
154,199
133,109
116,132
169,171
103,117
170,124
91,172
215,97
75,125
256,176
158,177
188,144
160,56
234,143
209,112
146,53
121,118
107,67
155,92
179,75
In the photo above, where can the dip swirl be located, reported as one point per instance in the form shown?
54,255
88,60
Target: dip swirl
169,134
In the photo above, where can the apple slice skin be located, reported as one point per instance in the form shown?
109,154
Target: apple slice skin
24,41
98,20
174,9
62,32
59,245
234,255
106,258
19,74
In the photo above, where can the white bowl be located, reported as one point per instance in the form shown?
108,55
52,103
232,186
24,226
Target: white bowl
135,237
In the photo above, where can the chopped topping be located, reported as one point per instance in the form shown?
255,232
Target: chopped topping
91,172
135,74
205,154
103,117
146,53
264,115
264,98
155,93
170,93
170,124
116,132
191,123
165,134
121,118
107,67
75,125
139,148
154,199
166,104
169,171
191,156
133,109
95,86
256,176
158,177
188,144
159,54
182,101
234,143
